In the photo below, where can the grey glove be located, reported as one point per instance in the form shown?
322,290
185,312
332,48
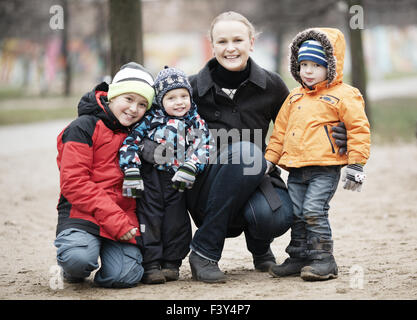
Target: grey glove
353,177
339,133
133,183
184,177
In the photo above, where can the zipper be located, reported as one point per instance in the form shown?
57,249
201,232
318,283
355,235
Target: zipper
328,136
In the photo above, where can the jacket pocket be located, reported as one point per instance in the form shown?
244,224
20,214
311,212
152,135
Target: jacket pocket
328,137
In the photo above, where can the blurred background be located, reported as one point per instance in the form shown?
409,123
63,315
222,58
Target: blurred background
53,51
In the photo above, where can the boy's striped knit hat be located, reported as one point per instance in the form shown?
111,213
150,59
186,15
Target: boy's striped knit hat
132,77
312,50
169,79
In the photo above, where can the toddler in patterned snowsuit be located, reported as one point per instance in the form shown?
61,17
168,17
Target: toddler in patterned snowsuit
182,152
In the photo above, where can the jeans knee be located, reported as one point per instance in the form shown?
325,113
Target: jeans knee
121,267
77,262
130,277
77,252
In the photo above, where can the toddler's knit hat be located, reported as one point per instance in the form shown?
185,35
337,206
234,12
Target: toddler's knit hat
132,77
312,50
169,79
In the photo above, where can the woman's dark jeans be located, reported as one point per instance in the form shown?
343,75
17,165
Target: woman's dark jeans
219,200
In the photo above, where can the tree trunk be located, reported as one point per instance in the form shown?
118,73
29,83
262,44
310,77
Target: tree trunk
358,71
65,52
125,25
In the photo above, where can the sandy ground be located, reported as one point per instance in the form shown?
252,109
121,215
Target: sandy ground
374,232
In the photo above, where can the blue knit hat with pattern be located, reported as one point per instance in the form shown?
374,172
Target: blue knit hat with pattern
169,79
312,50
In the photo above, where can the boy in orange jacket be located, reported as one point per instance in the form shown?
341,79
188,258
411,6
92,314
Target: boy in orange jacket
302,144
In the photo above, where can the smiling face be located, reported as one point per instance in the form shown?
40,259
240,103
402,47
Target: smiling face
128,108
232,44
312,73
177,102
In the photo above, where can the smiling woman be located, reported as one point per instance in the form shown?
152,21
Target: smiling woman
232,42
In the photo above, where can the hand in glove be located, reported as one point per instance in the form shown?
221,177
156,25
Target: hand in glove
133,183
184,177
339,133
353,177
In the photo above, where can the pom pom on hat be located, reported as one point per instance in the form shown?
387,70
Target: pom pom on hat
312,50
132,77
169,79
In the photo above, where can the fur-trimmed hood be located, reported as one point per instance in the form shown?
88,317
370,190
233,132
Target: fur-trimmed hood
334,45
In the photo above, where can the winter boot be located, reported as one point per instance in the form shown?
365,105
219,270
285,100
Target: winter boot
264,261
153,274
205,270
296,261
322,265
291,266
171,270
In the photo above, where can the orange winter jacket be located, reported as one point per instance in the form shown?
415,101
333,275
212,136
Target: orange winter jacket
302,132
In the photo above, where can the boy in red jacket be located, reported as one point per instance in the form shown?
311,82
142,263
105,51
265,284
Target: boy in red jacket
94,219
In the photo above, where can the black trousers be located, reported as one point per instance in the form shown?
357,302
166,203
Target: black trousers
163,218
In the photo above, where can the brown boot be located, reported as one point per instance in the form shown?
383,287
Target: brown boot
171,270
153,274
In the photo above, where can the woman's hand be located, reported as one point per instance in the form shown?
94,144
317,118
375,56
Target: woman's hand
129,235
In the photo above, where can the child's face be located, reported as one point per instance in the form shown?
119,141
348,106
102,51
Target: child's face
232,44
312,73
177,102
128,108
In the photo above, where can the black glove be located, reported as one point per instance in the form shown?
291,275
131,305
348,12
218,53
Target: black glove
339,133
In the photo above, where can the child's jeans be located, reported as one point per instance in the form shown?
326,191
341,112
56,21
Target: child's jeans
311,189
78,252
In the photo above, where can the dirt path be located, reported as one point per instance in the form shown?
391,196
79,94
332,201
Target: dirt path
374,232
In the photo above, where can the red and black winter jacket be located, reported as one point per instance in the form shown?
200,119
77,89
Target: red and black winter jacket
90,177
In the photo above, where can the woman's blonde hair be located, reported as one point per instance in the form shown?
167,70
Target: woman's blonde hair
232,16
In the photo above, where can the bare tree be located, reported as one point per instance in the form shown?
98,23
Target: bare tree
358,69
65,51
125,25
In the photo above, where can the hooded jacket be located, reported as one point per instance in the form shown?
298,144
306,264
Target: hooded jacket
90,178
302,131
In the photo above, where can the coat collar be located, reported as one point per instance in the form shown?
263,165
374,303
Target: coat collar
204,80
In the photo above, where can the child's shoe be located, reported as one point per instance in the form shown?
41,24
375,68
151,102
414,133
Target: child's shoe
171,270
153,274
291,266
322,265
320,269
